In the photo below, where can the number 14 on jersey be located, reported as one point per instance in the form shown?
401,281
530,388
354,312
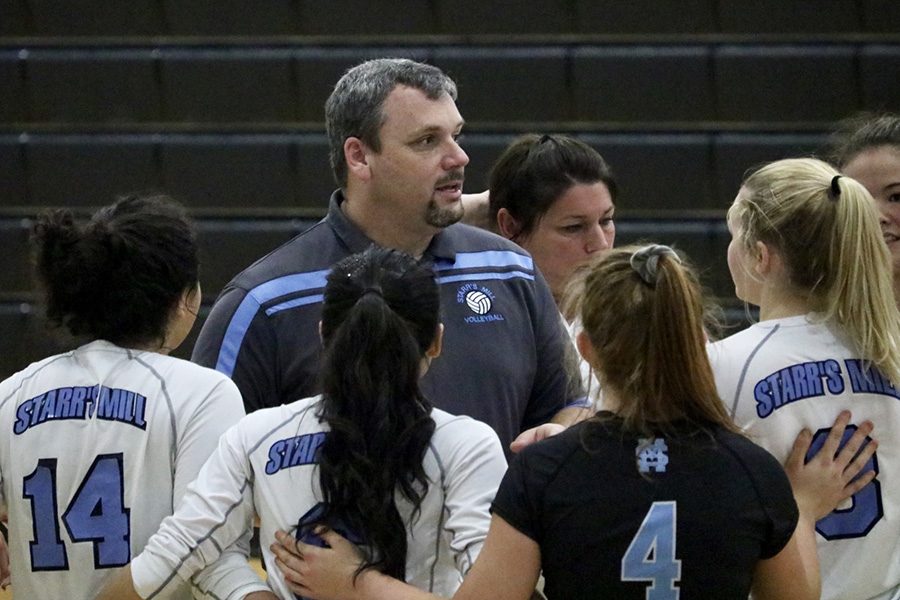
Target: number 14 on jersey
96,514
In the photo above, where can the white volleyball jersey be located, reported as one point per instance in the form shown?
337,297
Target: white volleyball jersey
266,466
781,375
98,446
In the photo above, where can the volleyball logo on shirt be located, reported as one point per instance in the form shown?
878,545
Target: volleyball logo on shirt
479,302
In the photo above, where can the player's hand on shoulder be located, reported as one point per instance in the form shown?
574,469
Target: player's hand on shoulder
823,481
535,434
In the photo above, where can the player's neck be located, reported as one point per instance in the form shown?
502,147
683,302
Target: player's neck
778,299
610,399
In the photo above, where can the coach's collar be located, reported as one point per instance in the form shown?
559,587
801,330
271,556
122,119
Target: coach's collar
352,237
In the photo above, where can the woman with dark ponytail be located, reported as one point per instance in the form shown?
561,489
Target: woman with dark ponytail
101,442
370,458
377,328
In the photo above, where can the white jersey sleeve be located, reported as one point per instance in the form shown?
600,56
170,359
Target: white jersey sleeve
199,433
216,512
474,466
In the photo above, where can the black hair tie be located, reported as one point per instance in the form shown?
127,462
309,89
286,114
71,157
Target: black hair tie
835,188
646,260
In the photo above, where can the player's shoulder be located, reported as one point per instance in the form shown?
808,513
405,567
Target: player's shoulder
746,337
783,331
186,373
756,460
299,411
449,423
461,431
45,367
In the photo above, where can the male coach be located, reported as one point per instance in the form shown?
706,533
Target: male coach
393,129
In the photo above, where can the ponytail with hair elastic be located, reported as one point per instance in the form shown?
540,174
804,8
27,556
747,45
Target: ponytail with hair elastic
835,187
825,227
647,337
379,317
645,261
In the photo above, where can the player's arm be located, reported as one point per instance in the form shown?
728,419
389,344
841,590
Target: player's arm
330,573
4,561
216,511
793,573
121,588
477,210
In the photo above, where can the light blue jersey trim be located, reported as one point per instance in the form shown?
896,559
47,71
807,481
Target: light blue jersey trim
488,258
746,367
294,303
249,307
477,276
291,284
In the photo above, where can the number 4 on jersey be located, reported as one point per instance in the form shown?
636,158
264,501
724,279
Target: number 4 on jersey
651,554
97,514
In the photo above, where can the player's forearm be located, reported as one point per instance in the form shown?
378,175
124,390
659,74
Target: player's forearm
571,415
806,542
372,585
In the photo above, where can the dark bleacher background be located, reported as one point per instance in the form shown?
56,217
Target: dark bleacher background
219,102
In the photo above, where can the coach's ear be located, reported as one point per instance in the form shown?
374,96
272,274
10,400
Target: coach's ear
356,155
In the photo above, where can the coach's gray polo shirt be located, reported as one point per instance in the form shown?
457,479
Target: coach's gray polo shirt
504,347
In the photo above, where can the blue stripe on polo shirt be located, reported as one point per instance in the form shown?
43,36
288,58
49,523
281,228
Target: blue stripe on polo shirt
488,258
482,276
294,303
246,311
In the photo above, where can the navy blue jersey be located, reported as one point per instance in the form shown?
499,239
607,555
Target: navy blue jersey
614,514
504,345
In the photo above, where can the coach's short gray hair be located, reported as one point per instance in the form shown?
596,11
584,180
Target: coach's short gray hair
354,108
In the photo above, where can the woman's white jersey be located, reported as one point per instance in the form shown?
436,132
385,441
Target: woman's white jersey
98,446
782,375
266,466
